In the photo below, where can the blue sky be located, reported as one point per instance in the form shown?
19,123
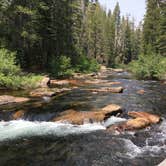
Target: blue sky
136,8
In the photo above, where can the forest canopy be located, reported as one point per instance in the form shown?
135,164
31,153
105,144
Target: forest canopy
80,34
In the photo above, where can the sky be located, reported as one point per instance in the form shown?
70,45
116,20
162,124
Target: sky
135,8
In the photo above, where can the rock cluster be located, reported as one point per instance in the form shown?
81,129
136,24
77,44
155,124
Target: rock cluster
141,120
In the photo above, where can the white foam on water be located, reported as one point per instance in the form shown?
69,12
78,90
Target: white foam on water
132,149
21,129
160,146
113,120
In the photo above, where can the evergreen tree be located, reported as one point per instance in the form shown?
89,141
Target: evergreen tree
151,26
116,23
43,31
162,28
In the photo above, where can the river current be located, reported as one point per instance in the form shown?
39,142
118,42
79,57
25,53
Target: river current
36,141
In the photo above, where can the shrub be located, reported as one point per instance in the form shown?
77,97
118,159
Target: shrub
19,82
87,65
11,75
61,67
7,62
150,66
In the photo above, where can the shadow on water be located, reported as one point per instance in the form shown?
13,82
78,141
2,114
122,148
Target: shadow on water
97,148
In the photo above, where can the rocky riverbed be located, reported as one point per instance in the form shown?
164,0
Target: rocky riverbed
106,118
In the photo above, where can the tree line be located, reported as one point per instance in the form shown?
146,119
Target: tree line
44,32
41,31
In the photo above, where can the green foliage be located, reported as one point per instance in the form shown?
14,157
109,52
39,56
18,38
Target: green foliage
151,26
19,82
11,75
70,28
150,66
7,63
61,67
87,65
162,27
38,29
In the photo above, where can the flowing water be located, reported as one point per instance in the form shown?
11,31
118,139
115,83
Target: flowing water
36,141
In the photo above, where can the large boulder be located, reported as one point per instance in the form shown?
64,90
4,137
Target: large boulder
59,82
6,99
153,119
131,124
112,108
138,123
77,117
142,120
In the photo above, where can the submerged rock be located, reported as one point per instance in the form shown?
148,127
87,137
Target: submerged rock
5,99
98,81
42,92
141,92
66,83
18,115
76,117
111,90
46,92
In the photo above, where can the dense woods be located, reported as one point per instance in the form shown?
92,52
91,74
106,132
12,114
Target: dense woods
60,37
41,31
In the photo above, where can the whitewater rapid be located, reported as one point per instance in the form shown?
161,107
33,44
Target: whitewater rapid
22,129
159,147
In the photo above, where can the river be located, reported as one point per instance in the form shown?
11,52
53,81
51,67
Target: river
36,141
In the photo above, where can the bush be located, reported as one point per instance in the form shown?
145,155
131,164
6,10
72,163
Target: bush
19,82
61,67
150,66
11,75
7,62
87,65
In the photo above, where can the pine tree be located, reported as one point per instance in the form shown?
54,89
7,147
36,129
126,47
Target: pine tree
116,23
162,28
151,26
